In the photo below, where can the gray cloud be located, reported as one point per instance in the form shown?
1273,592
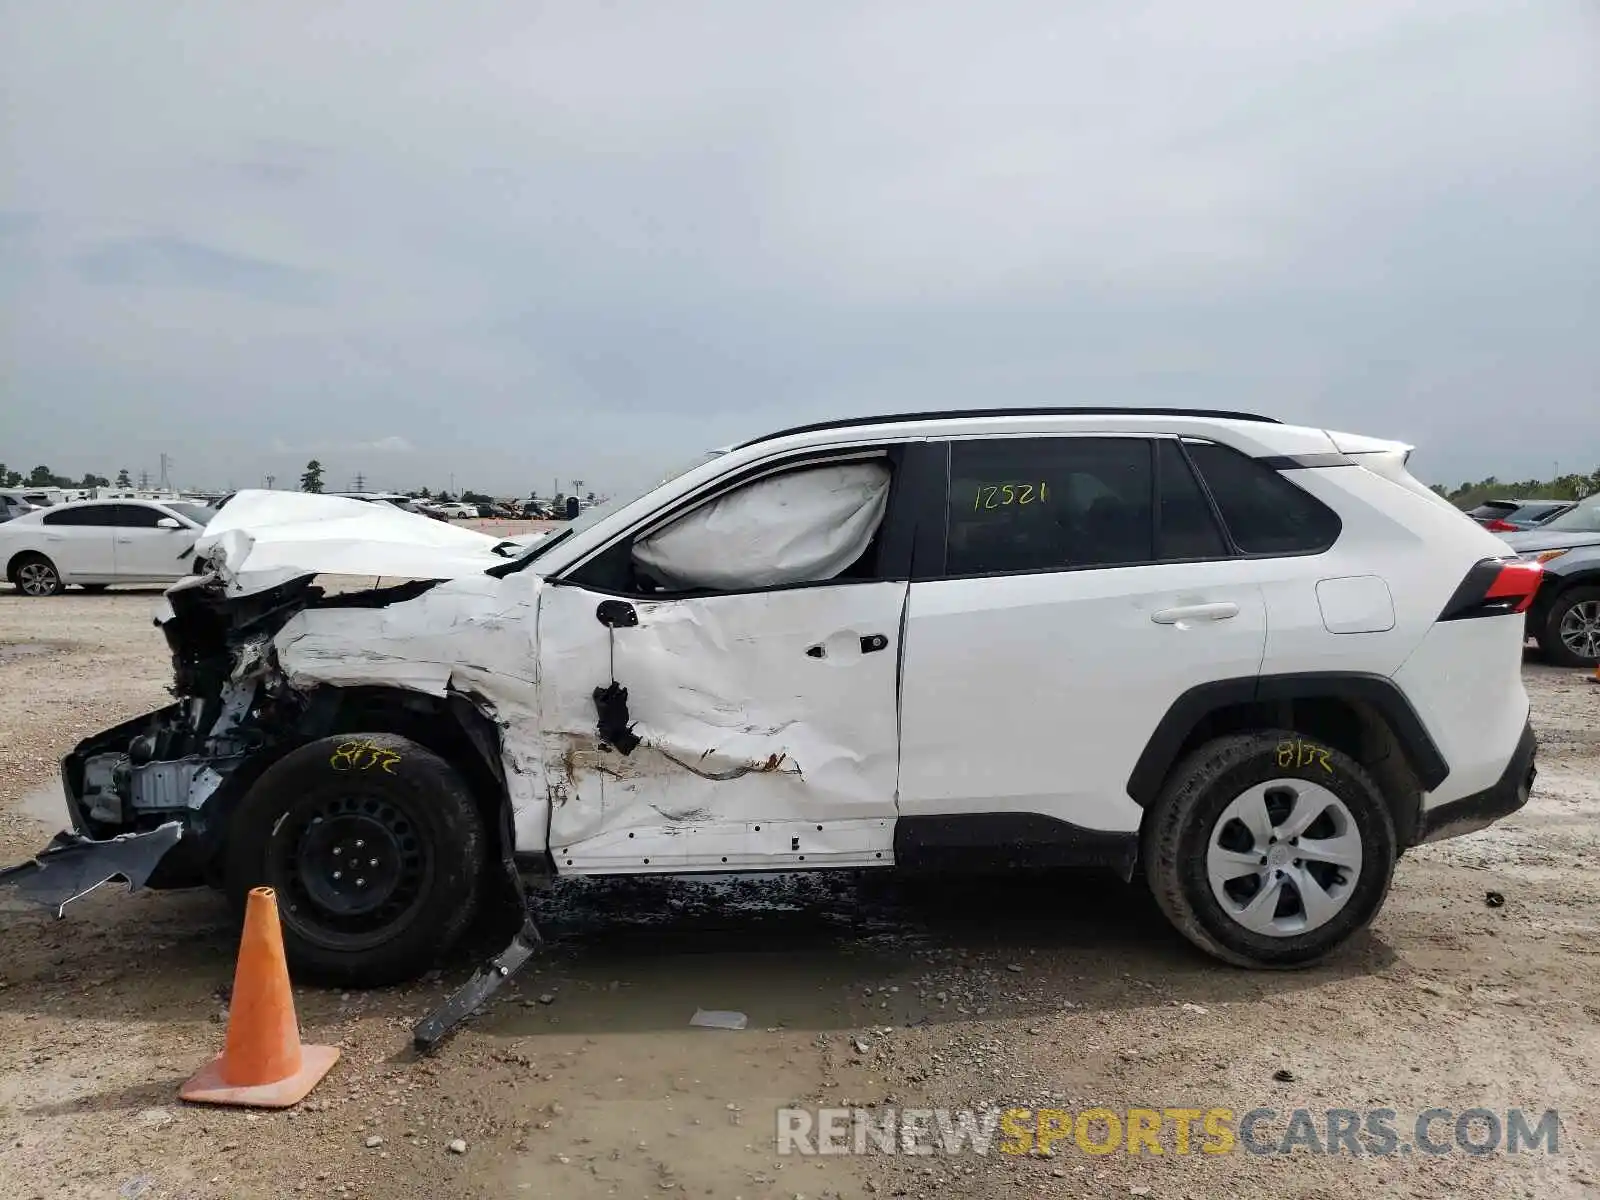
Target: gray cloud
590,241
164,262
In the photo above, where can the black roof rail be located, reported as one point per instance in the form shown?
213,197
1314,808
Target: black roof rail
1219,414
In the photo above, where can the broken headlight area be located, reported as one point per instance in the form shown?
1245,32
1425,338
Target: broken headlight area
148,799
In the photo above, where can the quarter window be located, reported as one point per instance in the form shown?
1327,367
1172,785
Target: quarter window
1264,512
1048,504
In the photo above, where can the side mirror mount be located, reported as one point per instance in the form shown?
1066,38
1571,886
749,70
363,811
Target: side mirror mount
169,523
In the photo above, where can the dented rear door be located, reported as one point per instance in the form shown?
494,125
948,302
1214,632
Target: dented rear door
721,731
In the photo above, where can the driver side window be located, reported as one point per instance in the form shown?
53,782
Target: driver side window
808,524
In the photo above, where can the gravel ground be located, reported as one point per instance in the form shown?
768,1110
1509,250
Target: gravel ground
584,1081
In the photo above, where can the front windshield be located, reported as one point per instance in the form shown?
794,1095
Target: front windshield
600,512
1583,519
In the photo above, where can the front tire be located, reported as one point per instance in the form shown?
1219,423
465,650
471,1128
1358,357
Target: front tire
1269,849
1570,635
375,846
36,576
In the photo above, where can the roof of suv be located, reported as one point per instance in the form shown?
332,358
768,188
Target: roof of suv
958,414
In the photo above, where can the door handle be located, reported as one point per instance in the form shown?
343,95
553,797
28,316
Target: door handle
1195,612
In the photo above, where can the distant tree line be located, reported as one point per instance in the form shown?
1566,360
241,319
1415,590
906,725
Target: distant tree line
1564,487
44,477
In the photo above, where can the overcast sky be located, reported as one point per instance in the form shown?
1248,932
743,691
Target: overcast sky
513,241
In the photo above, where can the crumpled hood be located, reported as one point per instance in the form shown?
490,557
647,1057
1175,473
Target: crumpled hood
263,539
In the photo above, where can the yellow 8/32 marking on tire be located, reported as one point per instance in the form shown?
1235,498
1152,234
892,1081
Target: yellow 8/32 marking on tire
363,755
1303,754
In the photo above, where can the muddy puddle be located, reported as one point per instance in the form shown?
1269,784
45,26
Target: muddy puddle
790,950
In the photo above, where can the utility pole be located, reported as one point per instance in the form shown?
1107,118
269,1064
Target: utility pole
271,479
144,481
166,483
361,482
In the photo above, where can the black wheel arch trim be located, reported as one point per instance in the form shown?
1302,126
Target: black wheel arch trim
1188,710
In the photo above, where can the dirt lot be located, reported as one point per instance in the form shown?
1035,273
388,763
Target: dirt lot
584,1080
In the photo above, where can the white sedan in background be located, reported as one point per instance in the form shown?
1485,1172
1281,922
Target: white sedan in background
95,543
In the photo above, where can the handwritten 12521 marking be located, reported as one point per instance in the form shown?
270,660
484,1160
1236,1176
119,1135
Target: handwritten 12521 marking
1002,495
363,755
1303,754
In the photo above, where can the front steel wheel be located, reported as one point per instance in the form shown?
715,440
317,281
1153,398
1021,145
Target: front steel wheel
375,846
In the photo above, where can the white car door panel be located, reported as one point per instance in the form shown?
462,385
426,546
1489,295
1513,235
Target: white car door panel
766,726
81,552
1037,693
147,553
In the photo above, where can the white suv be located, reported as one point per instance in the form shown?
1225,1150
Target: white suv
1255,662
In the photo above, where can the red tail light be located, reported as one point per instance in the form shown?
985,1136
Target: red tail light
1517,581
1495,587
1499,526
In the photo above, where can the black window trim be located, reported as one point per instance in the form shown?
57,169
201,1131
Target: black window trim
909,463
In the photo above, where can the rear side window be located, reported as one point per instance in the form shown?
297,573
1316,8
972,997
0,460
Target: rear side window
1049,504
95,514
1264,512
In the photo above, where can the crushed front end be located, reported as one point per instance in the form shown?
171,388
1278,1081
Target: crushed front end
148,799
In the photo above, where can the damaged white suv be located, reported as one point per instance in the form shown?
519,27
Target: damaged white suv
1255,661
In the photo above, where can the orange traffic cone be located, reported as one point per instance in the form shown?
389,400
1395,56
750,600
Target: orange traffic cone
263,1064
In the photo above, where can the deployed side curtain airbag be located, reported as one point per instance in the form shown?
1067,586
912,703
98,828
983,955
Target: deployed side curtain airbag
800,527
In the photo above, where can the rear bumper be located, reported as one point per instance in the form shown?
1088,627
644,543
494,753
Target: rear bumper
1481,809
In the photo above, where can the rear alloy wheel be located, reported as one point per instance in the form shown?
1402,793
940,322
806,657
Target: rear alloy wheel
1269,849
36,575
1571,633
375,847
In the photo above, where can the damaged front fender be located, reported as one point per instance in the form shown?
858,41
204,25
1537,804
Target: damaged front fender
73,865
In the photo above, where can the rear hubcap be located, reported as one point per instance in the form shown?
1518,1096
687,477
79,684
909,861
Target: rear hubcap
1580,629
1284,857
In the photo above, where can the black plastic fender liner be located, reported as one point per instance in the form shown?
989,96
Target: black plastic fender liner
72,865
485,981
1377,691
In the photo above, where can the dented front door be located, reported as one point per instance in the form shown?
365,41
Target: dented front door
766,726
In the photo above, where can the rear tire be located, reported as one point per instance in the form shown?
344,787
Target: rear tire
1570,635
375,846
1230,884
36,576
